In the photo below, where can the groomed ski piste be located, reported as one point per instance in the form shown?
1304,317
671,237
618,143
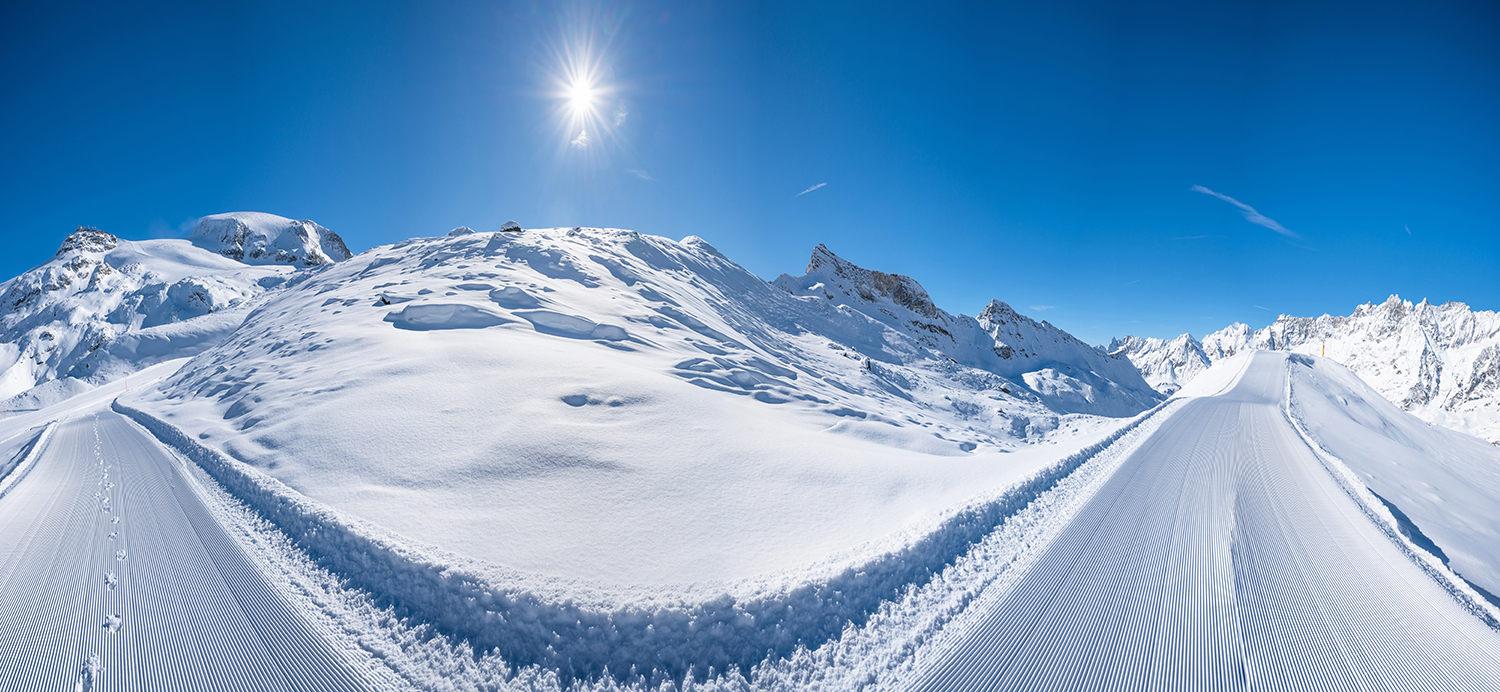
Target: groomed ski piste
1211,543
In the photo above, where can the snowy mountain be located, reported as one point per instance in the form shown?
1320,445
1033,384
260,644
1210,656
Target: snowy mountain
590,459
256,238
1439,362
1165,364
543,376
103,307
1062,371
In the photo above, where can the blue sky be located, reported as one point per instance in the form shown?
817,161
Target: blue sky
1060,158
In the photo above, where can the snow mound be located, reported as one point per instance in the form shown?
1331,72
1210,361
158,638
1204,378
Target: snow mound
257,238
606,405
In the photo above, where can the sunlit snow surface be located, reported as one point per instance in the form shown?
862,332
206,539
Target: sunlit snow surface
591,459
607,405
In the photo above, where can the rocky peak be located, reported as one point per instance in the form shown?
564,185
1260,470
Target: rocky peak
998,312
870,284
88,239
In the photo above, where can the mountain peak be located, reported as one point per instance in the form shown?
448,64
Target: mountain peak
88,239
259,238
871,285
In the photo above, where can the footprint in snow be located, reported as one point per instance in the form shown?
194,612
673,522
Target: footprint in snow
112,624
111,581
115,520
113,535
88,678
120,555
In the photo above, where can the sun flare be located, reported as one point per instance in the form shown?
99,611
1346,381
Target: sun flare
581,96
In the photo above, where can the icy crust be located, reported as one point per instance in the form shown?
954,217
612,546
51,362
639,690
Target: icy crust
1446,483
258,238
564,629
1062,372
604,405
103,307
1438,362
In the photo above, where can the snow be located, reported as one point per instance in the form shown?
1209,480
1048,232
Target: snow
1447,483
103,307
1166,364
1223,555
594,459
1438,362
258,238
602,405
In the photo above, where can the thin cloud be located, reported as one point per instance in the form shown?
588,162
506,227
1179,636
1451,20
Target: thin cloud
808,190
1127,283
1040,308
582,140
1408,230
1264,308
620,115
1251,214
639,173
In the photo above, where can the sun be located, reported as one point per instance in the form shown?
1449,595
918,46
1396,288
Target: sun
581,97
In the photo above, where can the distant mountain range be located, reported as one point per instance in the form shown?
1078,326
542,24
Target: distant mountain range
1439,362
103,307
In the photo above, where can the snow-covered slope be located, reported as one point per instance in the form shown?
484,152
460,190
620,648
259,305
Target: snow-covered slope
1445,484
1166,364
257,238
1065,373
604,404
1226,554
1439,362
103,307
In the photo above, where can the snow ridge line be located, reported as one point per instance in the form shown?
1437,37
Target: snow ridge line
1384,520
630,643
17,474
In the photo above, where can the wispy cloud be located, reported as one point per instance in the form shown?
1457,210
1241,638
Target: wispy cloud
1264,308
1040,308
639,173
1127,283
1251,214
809,190
582,140
620,114
1408,230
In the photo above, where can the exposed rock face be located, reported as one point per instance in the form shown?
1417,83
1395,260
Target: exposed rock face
88,240
1068,374
1440,362
256,238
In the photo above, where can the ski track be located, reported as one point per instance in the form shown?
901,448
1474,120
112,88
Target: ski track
1222,556
114,576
